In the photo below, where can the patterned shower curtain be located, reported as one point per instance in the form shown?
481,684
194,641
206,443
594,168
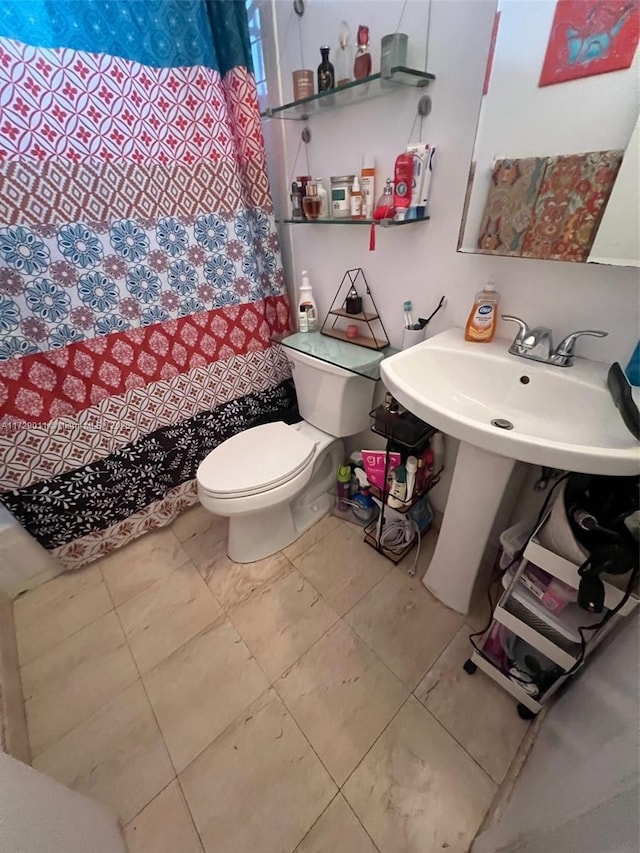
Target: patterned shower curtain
140,271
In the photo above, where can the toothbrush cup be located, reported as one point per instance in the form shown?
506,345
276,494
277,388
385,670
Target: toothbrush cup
411,337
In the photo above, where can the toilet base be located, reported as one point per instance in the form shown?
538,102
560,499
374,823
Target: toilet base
257,535
262,534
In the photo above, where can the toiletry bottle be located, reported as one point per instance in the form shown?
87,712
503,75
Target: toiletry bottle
368,184
403,183
362,65
398,489
483,317
311,202
323,195
302,181
326,73
307,304
343,482
425,469
356,199
344,56
384,208
353,302
296,201
411,466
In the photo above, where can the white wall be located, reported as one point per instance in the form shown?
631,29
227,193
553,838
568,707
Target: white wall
420,262
578,792
39,815
24,563
519,118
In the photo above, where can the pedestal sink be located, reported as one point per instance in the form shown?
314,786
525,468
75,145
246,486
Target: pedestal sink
502,408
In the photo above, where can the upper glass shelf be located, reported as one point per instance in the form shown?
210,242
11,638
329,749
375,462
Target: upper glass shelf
373,86
364,362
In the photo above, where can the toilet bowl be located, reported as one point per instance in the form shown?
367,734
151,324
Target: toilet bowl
273,482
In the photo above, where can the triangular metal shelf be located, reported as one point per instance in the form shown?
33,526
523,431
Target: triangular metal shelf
376,337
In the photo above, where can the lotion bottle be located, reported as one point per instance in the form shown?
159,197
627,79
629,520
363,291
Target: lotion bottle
307,311
483,317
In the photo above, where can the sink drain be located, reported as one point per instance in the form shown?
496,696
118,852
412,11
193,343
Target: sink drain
502,423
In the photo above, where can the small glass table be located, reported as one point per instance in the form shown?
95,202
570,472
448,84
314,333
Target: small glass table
359,360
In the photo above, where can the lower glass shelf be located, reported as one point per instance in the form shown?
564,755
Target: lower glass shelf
381,223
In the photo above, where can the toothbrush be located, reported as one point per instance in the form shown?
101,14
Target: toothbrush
407,307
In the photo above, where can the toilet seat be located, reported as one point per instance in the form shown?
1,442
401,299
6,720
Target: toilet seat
256,460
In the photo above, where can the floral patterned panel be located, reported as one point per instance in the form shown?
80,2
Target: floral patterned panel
82,280
570,205
139,263
510,203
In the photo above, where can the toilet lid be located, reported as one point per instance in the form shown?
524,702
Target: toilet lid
254,460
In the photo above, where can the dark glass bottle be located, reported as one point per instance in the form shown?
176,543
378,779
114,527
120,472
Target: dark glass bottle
326,73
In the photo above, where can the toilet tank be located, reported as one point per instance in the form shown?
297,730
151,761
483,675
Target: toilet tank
329,397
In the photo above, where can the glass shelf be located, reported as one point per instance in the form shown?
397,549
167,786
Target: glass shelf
373,86
356,359
383,223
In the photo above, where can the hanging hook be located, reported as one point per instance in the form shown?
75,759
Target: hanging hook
298,7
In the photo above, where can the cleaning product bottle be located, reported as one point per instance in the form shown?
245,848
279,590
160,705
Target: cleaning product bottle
307,311
483,317
363,505
343,482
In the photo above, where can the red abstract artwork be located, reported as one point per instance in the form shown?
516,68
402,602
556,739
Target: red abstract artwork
590,37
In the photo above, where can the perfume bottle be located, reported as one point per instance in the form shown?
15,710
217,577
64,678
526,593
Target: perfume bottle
326,73
311,202
385,207
344,56
362,65
296,201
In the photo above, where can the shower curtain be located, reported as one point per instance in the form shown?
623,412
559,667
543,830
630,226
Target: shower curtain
140,270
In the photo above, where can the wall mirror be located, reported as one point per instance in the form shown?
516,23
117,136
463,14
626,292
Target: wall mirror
555,171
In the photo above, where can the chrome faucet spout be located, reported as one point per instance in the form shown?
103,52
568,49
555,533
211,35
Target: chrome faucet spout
537,344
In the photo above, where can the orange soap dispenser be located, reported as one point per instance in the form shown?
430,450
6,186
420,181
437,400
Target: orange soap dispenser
483,317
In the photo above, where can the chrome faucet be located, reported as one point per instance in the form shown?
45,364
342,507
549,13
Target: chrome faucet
537,344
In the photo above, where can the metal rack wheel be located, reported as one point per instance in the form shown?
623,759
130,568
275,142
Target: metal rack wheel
525,713
469,666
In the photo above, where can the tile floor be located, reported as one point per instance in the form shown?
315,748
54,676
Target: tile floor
311,702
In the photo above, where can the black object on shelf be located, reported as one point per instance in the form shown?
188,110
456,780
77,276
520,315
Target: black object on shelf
403,428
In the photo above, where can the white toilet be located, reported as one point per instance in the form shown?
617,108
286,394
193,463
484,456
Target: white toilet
274,481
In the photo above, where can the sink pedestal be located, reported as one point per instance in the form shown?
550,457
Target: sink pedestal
479,481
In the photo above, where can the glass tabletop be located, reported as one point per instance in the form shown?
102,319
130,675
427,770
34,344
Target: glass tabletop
359,360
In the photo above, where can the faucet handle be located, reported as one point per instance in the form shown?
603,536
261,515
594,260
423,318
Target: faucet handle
567,346
523,331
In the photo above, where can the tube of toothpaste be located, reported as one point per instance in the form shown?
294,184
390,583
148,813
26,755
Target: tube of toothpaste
422,171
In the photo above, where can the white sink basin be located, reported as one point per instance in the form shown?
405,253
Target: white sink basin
561,417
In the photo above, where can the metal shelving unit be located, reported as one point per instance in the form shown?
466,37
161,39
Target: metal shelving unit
556,636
